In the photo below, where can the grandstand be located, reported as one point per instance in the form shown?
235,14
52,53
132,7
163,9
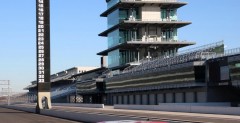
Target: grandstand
200,75
63,86
208,51
199,54
183,78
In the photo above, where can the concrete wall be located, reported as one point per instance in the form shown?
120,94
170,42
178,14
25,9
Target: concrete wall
79,105
215,104
151,13
183,108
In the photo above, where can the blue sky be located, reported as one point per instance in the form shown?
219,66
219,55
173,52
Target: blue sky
75,25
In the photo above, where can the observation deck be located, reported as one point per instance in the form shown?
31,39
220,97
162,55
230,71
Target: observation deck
165,4
137,23
136,44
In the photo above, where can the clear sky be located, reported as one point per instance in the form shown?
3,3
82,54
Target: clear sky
75,25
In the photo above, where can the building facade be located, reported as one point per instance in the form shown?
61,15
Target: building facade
146,67
141,29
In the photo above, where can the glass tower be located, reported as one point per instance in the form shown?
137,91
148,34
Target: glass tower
141,29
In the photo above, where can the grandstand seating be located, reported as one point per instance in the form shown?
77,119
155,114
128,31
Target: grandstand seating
62,91
156,71
202,53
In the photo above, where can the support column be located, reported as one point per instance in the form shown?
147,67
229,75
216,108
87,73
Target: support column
138,56
148,55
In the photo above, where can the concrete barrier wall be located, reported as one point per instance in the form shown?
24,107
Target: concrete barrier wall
79,105
216,110
183,108
226,104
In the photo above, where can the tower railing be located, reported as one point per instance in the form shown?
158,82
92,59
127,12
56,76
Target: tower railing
150,0
152,20
114,2
155,39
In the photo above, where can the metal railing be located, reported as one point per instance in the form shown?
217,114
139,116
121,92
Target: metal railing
207,46
18,97
114,2
172,60
149,0
7,90
149,39
232,52
155,39
153,20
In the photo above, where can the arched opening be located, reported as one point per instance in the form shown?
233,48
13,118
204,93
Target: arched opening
45,103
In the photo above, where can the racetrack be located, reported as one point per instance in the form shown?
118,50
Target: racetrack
14,116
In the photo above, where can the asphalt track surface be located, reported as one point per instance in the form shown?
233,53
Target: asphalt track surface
14,116
172,117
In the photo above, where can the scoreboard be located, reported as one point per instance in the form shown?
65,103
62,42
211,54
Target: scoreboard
43,45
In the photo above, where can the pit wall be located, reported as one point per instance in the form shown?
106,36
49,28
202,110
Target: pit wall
194,108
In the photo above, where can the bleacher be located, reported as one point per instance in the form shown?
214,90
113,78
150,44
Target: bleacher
190,55
62,90
165,62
